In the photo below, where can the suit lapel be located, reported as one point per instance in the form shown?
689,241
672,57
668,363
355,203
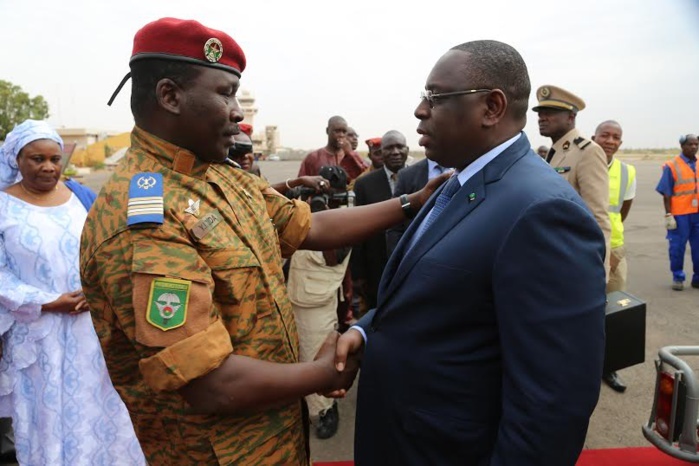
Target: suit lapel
466,199
471,195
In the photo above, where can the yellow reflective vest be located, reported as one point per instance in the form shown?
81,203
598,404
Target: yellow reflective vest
621,175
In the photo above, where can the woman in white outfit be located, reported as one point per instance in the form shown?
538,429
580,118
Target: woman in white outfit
53,379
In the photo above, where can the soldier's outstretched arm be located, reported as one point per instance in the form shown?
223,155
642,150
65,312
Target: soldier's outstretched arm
340,227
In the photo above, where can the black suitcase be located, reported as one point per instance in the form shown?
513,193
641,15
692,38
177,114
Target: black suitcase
625,327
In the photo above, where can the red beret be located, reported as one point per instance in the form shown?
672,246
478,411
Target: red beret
245,128
373,142
189,41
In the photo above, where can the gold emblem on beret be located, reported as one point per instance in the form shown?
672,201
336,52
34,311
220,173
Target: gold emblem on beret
545,92
213,50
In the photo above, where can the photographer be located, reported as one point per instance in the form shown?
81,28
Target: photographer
242,154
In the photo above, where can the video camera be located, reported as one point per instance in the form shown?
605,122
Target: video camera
338,195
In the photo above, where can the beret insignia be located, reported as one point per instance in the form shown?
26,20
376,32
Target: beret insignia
213,50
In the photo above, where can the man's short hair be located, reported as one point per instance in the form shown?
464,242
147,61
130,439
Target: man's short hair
495,65
607,122
145,75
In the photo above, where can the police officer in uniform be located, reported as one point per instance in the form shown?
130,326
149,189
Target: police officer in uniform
579,160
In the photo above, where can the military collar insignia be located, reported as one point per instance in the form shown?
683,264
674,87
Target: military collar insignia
213,50
193,208
167,303
145,199
566,145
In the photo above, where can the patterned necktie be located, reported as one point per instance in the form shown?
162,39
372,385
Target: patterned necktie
443,199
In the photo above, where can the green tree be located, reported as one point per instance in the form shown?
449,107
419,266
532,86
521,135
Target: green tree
16,106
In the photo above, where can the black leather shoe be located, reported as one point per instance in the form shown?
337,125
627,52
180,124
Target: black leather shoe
327,422
612,379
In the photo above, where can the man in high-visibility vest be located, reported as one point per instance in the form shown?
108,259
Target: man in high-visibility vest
678,185
622,190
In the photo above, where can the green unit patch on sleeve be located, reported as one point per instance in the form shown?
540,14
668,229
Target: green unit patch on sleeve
167,304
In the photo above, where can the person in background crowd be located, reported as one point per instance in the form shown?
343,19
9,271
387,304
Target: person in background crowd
353,138
680,190
182,255
622,190
337,151
375,157
542,151
241,153
53,378
369,257
578,160
490,317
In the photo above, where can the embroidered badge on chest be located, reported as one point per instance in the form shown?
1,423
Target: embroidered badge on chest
167,304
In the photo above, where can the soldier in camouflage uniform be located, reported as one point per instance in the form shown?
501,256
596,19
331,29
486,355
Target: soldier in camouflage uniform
181,267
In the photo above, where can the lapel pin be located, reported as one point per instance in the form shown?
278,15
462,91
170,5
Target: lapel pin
471,197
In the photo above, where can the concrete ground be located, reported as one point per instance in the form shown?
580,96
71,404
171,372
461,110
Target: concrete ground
671,320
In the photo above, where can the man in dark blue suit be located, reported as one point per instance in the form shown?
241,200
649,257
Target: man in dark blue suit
487,344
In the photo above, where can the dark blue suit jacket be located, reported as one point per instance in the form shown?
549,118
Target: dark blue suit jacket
487,344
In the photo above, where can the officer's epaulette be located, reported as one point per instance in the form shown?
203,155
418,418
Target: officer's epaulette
581,142
145,199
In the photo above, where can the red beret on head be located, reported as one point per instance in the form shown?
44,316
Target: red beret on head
373,142
187,41
245,128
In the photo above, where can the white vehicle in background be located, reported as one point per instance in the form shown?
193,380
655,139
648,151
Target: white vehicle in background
274,158
672,426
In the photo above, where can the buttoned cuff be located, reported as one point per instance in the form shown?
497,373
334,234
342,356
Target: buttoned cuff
186,360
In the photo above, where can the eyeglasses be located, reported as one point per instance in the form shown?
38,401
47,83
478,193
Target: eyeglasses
431,97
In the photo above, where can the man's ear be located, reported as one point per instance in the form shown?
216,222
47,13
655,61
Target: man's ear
496,107
169,95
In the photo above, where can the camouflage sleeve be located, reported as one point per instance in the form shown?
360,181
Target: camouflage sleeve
292,219
170,313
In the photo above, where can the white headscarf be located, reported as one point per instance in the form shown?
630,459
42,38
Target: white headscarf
20,136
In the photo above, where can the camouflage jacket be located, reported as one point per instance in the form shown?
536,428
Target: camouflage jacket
171,301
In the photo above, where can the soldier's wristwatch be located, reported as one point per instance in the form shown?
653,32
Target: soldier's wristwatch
406,206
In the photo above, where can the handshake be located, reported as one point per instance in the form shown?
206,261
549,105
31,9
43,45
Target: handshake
670,223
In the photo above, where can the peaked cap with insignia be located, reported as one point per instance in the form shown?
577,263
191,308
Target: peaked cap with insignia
187,41
558,99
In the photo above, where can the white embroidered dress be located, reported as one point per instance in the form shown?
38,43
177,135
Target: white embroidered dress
53,379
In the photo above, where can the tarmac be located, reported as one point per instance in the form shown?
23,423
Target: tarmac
671,320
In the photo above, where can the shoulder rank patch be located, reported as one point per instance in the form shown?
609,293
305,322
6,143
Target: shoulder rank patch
145,199
167,303
581,142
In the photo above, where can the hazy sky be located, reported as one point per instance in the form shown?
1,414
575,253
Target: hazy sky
636,61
